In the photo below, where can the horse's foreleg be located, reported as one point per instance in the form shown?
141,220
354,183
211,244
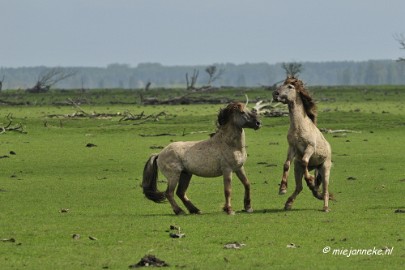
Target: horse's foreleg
227,191
184,181
298,173
286,169
242,177
309,151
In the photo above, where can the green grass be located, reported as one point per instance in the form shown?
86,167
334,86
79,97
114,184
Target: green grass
53,169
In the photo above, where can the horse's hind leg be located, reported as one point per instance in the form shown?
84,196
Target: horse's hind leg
283,184
325,172
305,160
298,172
181,192
172,180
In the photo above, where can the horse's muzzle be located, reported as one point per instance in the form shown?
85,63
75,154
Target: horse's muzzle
258,124
278,98
276,95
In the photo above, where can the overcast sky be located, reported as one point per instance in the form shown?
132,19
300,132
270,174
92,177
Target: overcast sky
191,32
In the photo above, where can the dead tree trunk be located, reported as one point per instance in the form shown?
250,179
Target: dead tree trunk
191,84
147,86
213,74
48,79
292,69
1,83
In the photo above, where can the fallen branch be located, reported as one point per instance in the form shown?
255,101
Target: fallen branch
126,116
193,132
157,135
331,131
185,99
131,117
270,109
18,127
79,114
11,103
275,113
184,133
71,101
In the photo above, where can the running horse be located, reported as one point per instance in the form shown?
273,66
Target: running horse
220,155
306,144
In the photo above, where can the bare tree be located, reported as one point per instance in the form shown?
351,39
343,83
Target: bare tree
83,81
292,69
401,40
49,78
213,73
191,84
147,86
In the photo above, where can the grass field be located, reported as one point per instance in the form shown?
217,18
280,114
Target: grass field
50,168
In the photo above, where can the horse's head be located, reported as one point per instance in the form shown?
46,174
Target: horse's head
287,92
290,90
239,115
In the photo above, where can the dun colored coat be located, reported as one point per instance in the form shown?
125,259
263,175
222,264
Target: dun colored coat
306,144
221,154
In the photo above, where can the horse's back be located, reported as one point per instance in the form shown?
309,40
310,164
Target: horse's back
201,158
170,160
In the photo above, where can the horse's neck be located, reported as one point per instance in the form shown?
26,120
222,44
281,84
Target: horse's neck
232,136
298,117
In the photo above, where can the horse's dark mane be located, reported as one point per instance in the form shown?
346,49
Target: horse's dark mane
307,101
225,114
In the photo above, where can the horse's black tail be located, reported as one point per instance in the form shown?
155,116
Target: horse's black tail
149,182
314,187
318,179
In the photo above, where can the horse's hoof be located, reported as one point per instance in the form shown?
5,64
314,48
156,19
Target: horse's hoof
288,207
326,209
196,212
228,210
282,191
179,212
249,210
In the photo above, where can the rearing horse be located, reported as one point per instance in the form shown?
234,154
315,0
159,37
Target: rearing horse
222,154
306,144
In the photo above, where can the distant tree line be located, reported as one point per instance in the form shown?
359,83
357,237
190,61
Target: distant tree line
372,72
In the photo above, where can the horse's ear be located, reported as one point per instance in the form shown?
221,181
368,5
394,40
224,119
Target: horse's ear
290,79
299,85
